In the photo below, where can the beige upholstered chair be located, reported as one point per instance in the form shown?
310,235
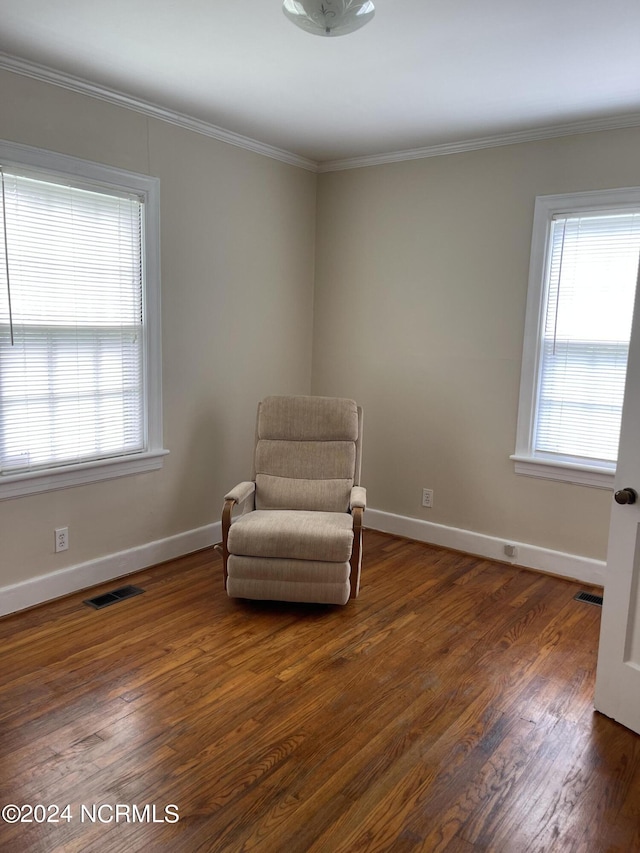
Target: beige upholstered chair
299,537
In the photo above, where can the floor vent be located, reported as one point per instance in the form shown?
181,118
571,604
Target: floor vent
589,597
108,598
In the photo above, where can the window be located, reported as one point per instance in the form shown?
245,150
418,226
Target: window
584,268
79,322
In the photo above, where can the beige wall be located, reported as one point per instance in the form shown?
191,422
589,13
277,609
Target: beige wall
421,275
421,282
238,233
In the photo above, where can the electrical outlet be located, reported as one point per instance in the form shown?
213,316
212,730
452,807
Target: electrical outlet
510,550
427,497
62,539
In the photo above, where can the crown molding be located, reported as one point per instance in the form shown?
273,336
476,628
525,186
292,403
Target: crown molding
76,84
514,138
46,74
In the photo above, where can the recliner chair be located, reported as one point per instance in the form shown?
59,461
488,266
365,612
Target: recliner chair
299,537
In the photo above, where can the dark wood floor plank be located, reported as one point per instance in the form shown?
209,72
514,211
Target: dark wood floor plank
448,708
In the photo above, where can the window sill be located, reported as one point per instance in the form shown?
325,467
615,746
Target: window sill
567,472
33,482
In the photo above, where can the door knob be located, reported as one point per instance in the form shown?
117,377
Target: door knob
626,496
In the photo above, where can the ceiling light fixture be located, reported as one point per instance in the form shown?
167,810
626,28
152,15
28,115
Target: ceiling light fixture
328,17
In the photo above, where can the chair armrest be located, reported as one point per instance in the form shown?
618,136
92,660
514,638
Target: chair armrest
358,497
238,494
241,492
356,554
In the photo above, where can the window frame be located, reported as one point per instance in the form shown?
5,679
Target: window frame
567,469
90,175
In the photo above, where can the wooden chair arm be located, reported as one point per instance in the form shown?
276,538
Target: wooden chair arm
227,510
356,513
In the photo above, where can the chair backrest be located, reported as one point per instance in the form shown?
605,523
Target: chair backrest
308,452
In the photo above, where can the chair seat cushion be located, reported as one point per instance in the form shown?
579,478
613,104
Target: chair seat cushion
293,534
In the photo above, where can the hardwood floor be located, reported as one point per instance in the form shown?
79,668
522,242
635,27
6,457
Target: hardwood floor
448,708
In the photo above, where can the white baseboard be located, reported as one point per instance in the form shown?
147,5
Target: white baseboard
582,569
84,575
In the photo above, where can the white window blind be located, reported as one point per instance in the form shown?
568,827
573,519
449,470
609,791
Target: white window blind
71,324
592,267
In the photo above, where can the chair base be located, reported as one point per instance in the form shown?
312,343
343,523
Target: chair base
288,580
286,591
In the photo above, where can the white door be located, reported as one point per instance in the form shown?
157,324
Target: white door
618,677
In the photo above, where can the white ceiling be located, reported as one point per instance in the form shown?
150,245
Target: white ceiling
423,73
